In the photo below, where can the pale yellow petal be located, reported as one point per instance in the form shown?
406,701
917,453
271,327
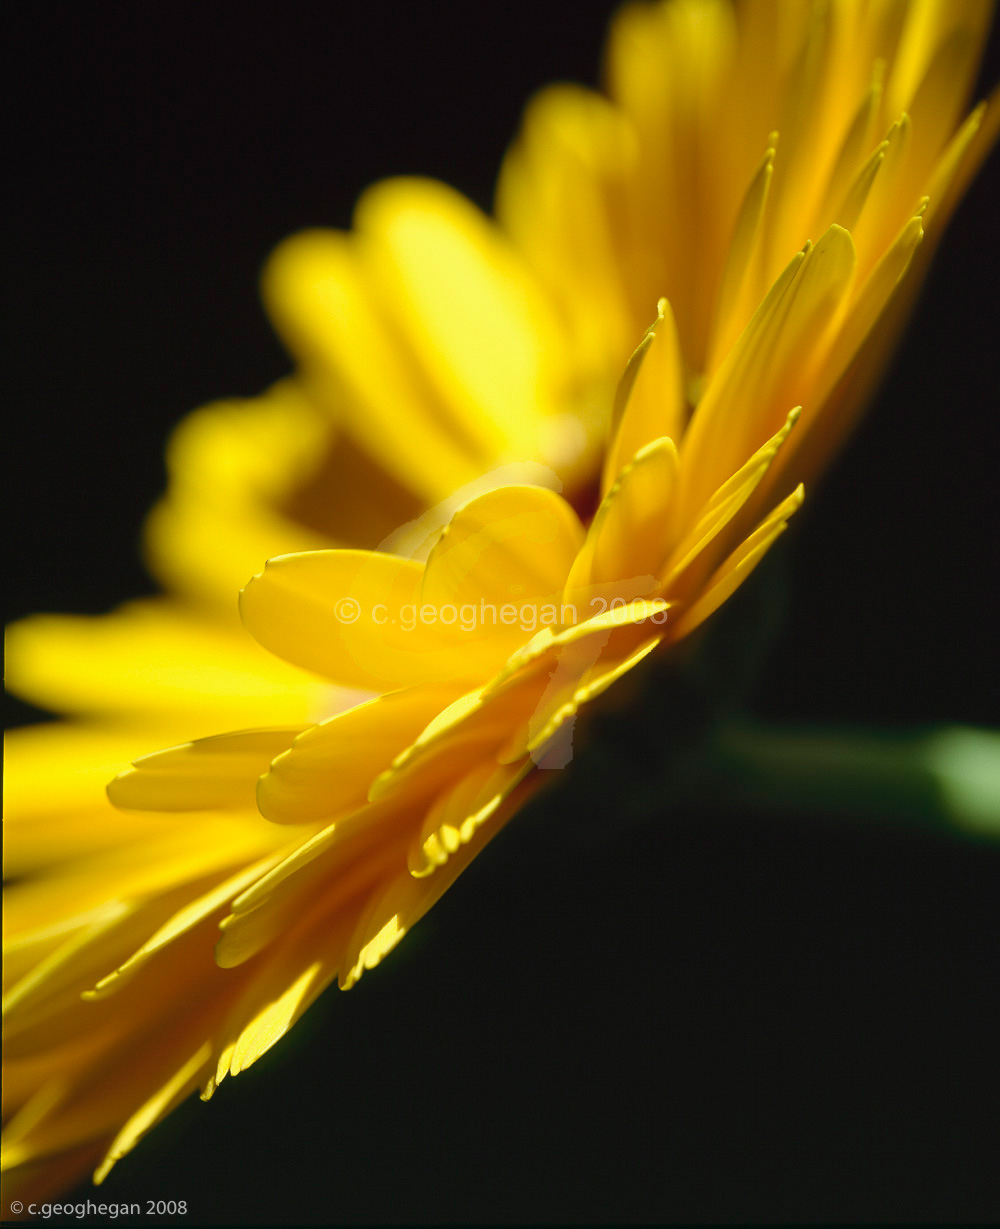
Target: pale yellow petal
55,803
321,297
236,469
560,194
474,315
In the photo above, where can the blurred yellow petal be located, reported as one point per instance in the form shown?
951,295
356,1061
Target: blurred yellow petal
151,657
424,330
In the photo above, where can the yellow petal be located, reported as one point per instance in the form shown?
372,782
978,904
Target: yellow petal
650,401
401,903
731,312
335,866
738,566
468,729
773,360
211,773
236,469
627,539
321,296
515,544
475,317
340,613
329,768
556,194
460,812
55,805
277,989
858,354
154,659
181,923
190,846
725,504
55,979
583,671
183,1081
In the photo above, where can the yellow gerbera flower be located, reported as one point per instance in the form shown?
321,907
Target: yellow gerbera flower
471,711
339,888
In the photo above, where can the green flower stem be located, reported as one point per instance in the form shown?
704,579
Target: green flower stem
945,778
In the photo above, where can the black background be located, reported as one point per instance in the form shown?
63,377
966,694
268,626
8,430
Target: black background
685,1018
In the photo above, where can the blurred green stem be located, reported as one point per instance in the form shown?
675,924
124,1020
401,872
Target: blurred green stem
943,778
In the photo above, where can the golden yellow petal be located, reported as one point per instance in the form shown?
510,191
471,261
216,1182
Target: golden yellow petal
183,921
403,900
459,812
732,573
329,768
650,401
341,614
731,312
512,545
218,773
277,989
627,540
334,866
183,1081
725,504
772,362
